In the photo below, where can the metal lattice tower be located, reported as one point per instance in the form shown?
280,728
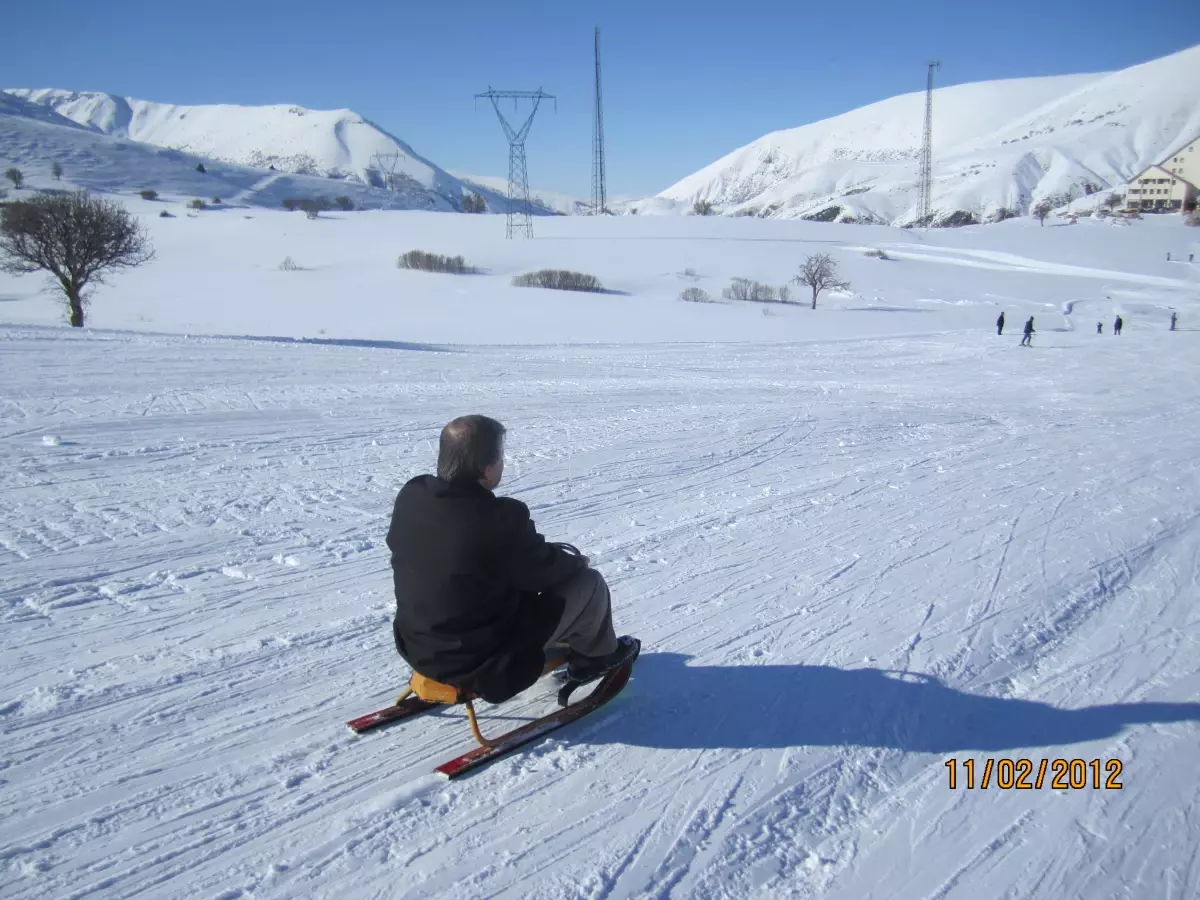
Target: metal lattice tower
599,186
925,210
386,163
520,212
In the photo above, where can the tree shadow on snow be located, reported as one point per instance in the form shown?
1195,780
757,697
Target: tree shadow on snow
697,707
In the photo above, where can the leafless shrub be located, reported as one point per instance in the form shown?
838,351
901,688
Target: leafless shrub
559,280
749,290
148,194
702,208
695,295
876,253
15,175
290,265
198,204
433,262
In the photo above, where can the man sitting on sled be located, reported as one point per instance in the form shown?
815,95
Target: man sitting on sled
481,597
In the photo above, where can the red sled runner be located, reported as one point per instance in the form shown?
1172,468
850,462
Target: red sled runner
424,694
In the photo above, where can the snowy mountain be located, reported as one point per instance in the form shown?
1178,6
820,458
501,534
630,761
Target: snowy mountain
336,144
34,137
997,144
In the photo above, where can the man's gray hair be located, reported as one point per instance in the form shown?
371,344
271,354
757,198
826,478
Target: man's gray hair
468,445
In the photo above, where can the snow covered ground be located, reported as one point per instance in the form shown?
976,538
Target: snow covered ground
856,542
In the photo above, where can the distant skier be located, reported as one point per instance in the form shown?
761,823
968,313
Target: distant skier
480,594
1117,325
1027,340
1168,256
1099,328
1173,315
1000,324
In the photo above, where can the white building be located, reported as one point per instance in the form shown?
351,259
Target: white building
1170,184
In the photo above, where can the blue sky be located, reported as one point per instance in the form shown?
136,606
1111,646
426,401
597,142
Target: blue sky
684,82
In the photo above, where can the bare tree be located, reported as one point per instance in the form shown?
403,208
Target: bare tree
702,208
474,203
1042,211
15,175
57,170
344,203
1113,201
819,272
74,237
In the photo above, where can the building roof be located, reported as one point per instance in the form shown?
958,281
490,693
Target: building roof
1195,140
1160,168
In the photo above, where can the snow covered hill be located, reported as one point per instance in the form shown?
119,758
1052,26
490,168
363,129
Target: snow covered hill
33,138
998,144
333,144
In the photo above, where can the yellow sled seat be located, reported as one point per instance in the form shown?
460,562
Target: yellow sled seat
438,692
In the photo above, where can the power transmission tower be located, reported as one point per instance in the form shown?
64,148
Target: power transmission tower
520,213
386,164
925,211
599,187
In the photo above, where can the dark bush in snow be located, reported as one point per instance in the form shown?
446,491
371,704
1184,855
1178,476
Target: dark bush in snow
200,167
344,203
473,203
752,291
702,208
314,206
57,171
291,204
165,215
198,204
433,262
559,280
14,175
695,295
148,194
216,201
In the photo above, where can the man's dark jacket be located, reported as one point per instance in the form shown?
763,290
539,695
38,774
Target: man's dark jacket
474,586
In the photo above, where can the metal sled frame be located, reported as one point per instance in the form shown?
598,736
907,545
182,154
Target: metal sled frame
437,692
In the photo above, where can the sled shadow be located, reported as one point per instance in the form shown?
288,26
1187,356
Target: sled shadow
698,707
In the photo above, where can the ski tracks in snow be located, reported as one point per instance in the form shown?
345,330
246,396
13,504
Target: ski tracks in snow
196,596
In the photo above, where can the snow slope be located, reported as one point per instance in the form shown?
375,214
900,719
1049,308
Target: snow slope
996,144
350,287
857,542
327,143
555,201
850,562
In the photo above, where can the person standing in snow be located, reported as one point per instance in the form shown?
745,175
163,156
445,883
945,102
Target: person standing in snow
1117,324
1173,315
1000,324
1027,340
480,594
1099,328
